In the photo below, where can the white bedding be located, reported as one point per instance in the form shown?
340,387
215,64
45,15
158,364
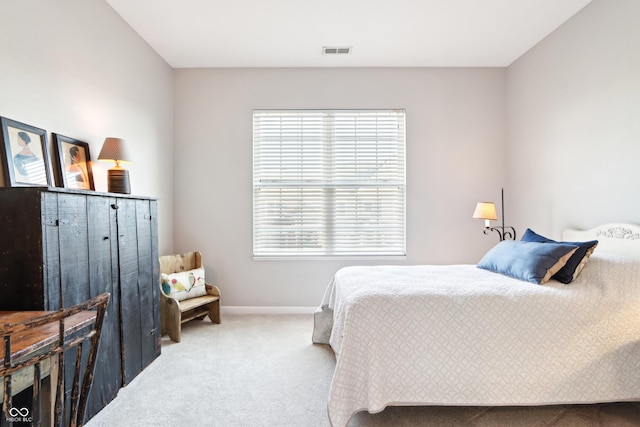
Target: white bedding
459,335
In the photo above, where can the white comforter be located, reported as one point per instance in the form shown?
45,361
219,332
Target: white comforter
459,335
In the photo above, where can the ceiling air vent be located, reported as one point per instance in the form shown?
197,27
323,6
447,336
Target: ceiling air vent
335,50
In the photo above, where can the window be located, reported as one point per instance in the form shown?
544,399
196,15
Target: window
328,183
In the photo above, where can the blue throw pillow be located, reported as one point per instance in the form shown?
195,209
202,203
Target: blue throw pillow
576,263
530,261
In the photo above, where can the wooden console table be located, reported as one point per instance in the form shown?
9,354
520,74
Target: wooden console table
34,341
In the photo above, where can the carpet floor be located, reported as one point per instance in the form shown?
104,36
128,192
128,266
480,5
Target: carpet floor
263,370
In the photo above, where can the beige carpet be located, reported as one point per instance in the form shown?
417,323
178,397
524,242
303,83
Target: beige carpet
256,371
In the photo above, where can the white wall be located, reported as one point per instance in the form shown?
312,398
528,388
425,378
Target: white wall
455,157
574,122
569,158
77,69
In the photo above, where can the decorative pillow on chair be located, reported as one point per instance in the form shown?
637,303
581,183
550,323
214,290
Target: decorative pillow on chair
575,264
530,261
184,285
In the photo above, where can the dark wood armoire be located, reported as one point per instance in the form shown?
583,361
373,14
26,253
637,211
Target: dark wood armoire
60,247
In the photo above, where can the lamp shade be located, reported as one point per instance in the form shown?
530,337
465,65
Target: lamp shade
114,150
486,211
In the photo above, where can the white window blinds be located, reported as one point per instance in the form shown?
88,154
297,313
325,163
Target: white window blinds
328,183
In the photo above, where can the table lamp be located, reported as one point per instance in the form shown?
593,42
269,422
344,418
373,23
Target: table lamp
114,150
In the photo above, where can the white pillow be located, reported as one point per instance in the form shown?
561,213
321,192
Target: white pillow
184,285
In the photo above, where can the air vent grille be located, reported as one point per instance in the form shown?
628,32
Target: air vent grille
336,50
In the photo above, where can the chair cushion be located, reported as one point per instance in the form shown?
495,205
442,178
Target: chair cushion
184,285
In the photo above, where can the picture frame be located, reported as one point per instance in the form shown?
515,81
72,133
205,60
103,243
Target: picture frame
25,155
74,163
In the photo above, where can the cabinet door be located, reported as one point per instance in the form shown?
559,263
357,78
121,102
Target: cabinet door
131,327
148,280
73,267
86,269
102,247
138,263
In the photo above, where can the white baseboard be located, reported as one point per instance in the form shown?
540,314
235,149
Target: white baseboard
266,310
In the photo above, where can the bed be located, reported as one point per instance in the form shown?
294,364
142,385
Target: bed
462,335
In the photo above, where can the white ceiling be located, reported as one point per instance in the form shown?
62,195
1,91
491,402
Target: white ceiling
382,33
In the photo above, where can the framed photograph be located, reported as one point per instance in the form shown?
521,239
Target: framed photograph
74,162
25,155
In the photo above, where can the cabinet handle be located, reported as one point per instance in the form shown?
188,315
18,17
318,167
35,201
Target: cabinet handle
114,206
105,238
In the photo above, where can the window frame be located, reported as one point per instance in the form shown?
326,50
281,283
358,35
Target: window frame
397,251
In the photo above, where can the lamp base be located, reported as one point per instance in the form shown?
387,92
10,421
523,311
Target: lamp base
118,181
